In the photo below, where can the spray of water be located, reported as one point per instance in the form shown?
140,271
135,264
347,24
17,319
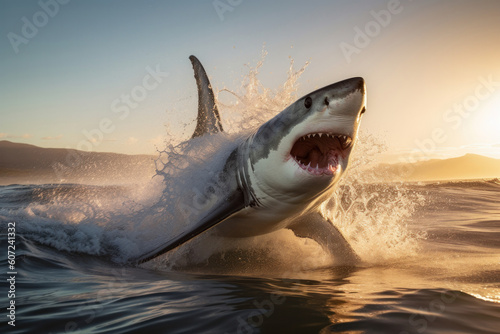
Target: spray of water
369,213
253,103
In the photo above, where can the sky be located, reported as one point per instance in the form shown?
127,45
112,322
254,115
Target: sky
114,76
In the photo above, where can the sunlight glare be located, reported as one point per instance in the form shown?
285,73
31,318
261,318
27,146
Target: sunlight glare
486,121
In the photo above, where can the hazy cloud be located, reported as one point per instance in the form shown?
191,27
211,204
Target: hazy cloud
52,138
477,146
132,140
158,141
11,136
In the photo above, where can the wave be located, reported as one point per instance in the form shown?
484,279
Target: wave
466,184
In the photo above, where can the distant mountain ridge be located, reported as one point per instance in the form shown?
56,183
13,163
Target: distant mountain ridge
24,163
469,166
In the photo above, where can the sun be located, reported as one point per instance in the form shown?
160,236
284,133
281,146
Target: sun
485,121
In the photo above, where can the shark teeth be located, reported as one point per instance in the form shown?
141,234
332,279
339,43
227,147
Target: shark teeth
330,169
320,153
345,141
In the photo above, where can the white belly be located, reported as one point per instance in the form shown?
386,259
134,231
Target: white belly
257,221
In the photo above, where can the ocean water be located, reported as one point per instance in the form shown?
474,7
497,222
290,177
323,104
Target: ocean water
439,273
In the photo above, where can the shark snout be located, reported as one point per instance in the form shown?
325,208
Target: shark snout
345,88
341,89
346,98
354,84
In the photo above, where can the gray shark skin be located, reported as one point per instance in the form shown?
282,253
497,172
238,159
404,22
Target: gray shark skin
278,176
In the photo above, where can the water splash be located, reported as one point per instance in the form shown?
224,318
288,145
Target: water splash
372,215
253,103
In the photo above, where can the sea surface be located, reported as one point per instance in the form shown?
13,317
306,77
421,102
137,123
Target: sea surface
431,264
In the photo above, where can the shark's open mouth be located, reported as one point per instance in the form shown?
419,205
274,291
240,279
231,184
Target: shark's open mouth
318,153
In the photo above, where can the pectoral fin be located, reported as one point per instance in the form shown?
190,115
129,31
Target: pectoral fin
321,230
222,210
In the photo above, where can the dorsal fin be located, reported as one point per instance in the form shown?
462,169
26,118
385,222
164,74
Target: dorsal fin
208,121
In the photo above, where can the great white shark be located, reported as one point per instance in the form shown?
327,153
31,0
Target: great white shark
278,176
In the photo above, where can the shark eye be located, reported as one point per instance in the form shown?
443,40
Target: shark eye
308,102
327,102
